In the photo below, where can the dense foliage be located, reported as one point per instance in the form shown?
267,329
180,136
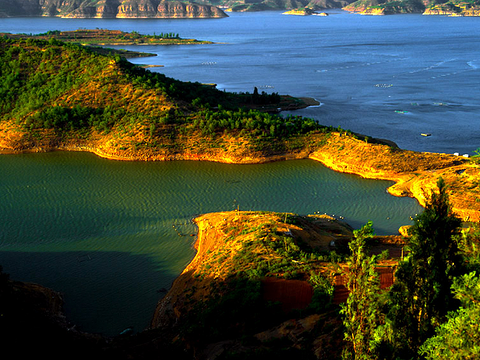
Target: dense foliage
459,337
421,297
361,312
432,309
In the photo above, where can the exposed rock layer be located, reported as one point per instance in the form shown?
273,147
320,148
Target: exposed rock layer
108,9
426,7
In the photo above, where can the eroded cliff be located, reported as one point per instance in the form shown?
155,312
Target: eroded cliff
426,7
108,9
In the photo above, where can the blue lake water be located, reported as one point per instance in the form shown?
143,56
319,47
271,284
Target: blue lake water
101,231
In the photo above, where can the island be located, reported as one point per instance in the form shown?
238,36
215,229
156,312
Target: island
301,11
108,37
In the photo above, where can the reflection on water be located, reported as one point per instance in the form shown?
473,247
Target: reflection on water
110,234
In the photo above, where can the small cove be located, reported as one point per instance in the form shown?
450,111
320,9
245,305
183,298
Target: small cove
112,235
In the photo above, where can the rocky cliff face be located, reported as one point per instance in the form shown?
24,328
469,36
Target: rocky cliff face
425,7
453,10
108,9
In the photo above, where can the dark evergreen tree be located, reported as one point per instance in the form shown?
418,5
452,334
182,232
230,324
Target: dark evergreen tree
420,297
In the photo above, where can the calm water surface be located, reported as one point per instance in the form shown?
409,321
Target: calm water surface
101,231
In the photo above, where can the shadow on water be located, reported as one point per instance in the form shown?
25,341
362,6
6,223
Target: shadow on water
109,234
103,292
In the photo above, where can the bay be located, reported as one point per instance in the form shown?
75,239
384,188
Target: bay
112,235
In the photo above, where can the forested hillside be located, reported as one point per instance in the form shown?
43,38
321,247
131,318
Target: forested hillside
54,92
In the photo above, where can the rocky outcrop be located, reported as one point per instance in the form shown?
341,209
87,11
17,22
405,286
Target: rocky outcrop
450,9
108,9
427,7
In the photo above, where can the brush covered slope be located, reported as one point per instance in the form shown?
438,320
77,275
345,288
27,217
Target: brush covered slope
62,96
58,96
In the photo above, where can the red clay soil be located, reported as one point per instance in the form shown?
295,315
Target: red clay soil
341,293
292,294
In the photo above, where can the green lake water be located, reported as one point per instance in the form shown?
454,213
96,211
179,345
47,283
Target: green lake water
112,235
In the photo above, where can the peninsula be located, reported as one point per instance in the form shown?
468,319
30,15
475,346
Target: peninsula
265,276
260,283
59,96
97,39
104,37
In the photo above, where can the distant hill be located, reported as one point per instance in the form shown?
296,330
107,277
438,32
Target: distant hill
109,9
259,5
426,7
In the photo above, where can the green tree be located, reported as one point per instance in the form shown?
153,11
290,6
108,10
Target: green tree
361,311
459,337
420,298
469,245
